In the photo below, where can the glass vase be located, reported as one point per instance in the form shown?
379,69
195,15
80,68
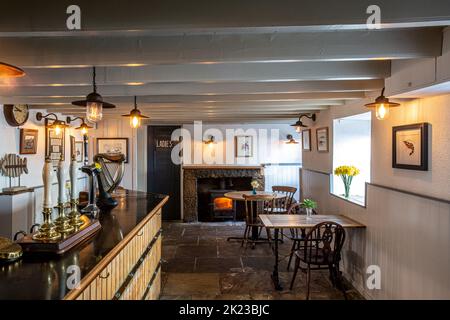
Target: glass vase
309,212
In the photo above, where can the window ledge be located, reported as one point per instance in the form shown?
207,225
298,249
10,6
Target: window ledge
357,200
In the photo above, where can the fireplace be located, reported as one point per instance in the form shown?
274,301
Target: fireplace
204,188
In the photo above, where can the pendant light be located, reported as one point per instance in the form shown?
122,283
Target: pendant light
94,103
299,124
9,71
382,106
135,116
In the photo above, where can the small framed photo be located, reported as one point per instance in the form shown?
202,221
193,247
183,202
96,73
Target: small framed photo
28,141
79,151
306,139
72,147
322,139
243,146
410,147
55,145
113,146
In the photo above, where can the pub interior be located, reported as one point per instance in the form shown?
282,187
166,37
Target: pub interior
225,150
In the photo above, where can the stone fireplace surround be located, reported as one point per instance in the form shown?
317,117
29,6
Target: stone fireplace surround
192,173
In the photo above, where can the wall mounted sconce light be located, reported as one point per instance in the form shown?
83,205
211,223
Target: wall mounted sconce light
210,140
290,139
94,103
57,124
83,127
135,116
299,124
382,106
9,71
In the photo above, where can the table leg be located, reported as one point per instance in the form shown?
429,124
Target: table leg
275,278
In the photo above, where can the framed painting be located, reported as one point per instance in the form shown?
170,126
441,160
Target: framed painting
410,147
113,146
79,151
72,147
322,139
306,139
55,144
28,141
243,146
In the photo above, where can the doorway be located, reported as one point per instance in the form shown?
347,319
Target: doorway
163,176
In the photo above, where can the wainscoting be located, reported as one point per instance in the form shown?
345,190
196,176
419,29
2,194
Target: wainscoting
407,236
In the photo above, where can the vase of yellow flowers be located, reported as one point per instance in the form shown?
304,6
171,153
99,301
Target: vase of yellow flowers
255,185
346,173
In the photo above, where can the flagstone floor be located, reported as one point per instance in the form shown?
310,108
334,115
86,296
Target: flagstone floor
199,263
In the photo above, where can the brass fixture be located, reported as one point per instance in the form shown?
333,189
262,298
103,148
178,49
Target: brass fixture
9,251
382,106
299,124
135,116
94,103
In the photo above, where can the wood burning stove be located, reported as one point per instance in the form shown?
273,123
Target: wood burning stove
221,207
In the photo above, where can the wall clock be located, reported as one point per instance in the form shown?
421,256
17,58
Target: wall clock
16,114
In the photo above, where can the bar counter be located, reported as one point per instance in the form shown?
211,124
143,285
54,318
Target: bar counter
38,276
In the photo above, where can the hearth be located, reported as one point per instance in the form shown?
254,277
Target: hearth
203,184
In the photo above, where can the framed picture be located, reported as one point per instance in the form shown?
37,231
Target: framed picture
243,146
72,147
55,145
322,139
28,141
410,147
113,146
79,151
306,139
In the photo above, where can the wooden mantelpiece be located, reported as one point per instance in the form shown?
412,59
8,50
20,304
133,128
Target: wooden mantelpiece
221,167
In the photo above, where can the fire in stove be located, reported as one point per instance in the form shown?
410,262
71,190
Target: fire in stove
222,203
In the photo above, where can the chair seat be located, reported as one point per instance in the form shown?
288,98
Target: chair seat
316,257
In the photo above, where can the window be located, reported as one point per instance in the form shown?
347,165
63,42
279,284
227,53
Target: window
351,147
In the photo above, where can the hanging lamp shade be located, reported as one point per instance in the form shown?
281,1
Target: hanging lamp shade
382,106
135,116
9,71
299,124
94,103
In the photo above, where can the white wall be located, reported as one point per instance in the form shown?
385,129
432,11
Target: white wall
407,236
272,151
10,136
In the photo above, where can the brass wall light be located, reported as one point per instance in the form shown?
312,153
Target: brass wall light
9,71
299,124
382,106
94,103
290,139
210,140
56,124
135,116
83,127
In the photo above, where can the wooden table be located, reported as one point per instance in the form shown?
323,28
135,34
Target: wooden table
288,221
239,196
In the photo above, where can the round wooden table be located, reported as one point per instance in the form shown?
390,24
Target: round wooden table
239,196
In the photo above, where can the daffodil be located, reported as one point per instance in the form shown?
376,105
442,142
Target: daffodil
347,173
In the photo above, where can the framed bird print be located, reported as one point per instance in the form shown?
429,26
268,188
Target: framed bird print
410,147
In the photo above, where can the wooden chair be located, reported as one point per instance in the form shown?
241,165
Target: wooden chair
296,235
254,205
321,249
282,205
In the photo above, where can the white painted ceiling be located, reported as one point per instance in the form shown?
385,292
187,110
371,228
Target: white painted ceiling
216,61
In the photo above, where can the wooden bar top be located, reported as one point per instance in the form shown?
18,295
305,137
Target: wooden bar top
282,221
42,276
